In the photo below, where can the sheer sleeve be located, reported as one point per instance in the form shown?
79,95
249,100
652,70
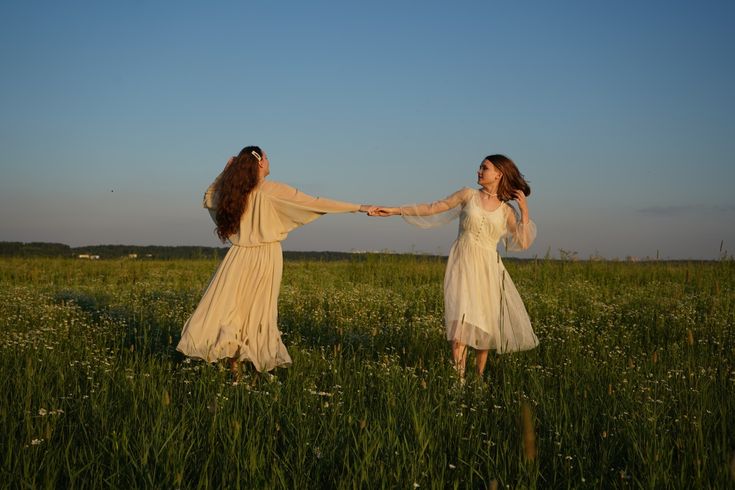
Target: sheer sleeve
210,198
210,195
519,235
296,197
294,208
436,213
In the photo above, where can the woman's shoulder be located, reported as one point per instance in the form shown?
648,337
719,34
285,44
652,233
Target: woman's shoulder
465,193
272,187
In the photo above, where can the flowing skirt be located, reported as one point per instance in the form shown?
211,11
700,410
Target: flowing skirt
482,306
237,316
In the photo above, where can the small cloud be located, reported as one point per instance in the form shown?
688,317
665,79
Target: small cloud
685,210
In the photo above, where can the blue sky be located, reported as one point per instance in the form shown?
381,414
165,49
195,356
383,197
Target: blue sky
114,117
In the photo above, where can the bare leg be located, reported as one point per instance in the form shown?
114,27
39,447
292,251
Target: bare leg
459,353
481,358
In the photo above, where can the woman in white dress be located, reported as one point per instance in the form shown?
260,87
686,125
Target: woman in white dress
483,309
237,315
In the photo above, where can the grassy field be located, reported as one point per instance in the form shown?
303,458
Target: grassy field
632,386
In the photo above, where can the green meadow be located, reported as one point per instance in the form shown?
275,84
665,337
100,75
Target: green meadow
632,386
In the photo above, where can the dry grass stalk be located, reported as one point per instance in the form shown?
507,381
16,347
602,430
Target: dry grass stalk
529,432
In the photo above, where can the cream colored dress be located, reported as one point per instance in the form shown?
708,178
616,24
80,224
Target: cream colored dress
237,316
482,308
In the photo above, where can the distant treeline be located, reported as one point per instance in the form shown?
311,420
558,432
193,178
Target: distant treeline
159,252
43,249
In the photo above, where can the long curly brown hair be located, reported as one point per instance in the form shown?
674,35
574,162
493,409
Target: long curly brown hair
512,178
233,188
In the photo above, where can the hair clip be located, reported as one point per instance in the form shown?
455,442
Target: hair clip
255,154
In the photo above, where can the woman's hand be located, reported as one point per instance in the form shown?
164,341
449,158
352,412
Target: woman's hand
383,211
520,198
368,208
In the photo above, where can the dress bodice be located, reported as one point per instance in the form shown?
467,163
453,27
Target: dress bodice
483,228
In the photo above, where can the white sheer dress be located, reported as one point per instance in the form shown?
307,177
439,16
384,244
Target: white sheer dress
482,307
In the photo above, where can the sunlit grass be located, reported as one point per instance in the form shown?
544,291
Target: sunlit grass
631,386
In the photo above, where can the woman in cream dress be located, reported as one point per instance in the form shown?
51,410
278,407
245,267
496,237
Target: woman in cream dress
482,308
237,316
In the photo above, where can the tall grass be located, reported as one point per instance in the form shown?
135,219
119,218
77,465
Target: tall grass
632,385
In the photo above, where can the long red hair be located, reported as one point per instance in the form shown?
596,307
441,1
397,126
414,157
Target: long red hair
233,188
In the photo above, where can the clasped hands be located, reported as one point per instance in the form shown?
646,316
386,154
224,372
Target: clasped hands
379,210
